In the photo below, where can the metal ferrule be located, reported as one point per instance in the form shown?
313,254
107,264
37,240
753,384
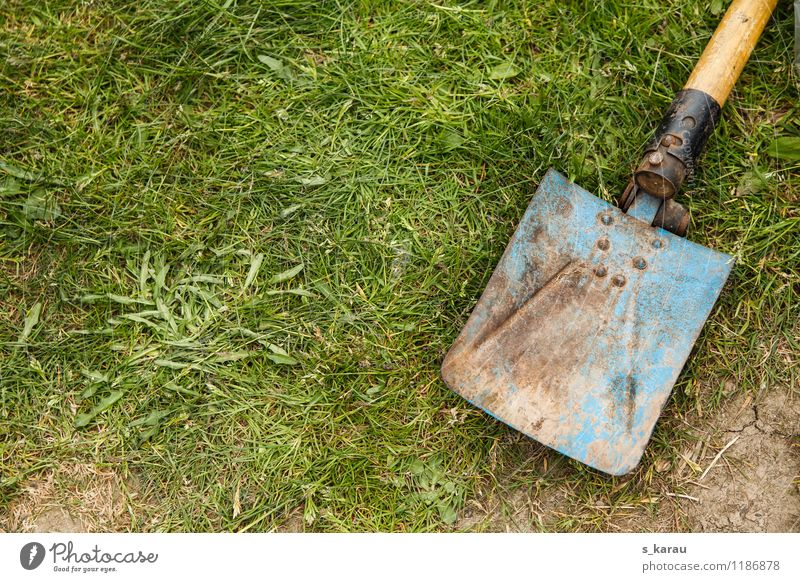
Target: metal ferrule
671,155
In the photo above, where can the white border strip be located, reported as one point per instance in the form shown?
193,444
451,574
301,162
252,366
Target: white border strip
409,557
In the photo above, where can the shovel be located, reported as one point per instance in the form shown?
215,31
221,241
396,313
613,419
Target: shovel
593,309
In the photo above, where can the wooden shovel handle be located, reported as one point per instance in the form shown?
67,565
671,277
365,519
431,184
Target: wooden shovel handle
729,48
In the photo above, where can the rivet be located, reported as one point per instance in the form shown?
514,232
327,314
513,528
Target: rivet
667,141
655,158
603,244
618,281
606,219
640,263
688,122
657,244
600,271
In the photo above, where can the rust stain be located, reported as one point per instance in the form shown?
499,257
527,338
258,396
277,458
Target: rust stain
563,206
536,233
568,282
624,389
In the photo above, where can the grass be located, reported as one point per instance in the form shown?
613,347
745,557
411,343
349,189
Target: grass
238,237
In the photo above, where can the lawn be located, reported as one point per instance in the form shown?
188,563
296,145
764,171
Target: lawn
237,238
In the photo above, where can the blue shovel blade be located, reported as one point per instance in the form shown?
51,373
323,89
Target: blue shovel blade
584,326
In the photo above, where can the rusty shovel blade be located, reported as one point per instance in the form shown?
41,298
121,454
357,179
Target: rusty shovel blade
584,326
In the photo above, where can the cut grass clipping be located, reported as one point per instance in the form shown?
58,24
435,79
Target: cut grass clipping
238,237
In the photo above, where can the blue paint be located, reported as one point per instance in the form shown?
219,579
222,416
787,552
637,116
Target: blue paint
569,358
645,207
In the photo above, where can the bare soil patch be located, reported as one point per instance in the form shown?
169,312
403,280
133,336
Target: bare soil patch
742,474
754,486
73,498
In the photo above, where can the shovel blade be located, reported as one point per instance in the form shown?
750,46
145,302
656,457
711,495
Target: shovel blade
584,326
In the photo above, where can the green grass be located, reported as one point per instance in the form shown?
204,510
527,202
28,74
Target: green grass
238,237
